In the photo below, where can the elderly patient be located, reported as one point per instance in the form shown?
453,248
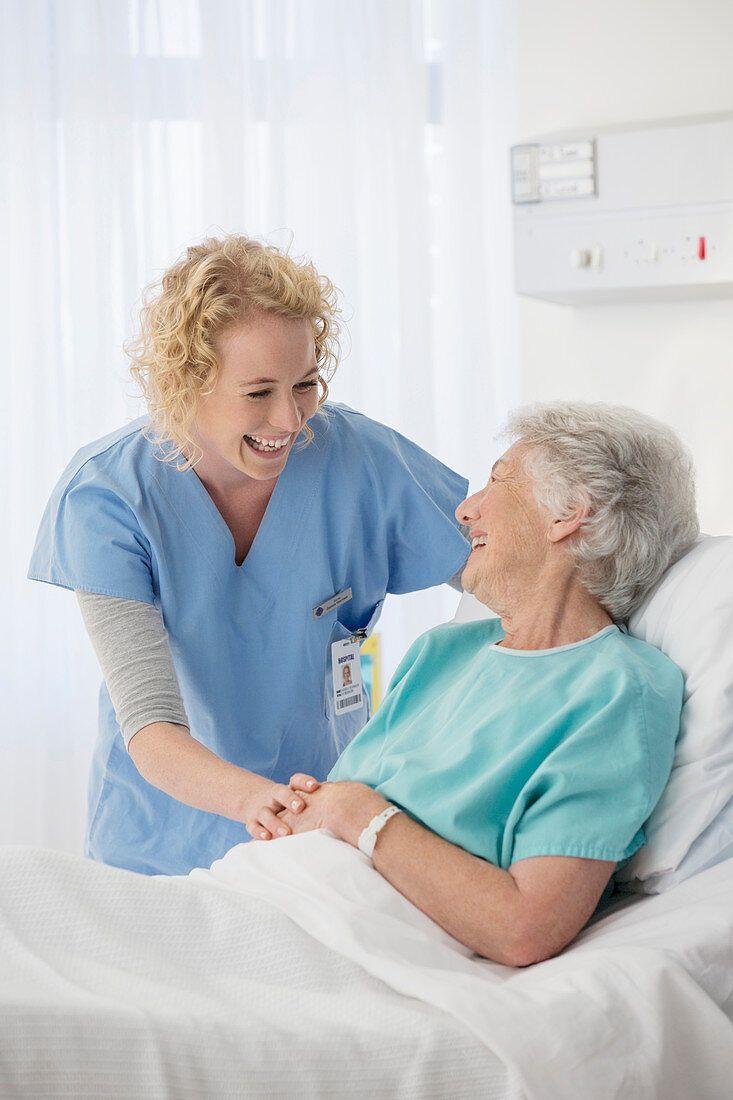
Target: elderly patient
526,752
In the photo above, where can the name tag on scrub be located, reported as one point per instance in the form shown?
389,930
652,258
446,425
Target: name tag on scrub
348,690
335,601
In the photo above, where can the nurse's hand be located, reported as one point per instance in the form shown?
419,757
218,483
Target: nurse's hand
262,821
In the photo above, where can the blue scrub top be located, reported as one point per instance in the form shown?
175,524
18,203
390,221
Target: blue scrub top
360,507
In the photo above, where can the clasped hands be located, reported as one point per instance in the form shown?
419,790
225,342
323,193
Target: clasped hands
343,807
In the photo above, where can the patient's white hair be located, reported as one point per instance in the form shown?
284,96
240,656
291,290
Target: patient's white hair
635,475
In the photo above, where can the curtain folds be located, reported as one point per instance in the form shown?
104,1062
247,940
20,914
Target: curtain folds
370,134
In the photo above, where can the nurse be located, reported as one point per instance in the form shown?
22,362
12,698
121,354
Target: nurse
224,575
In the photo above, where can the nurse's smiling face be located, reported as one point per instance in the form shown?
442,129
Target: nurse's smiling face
265,391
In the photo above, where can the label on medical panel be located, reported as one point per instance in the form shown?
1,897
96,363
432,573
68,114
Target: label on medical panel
348,691
553,170
565,189
566,150
328,605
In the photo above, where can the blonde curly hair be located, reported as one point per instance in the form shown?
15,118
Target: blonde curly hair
216,284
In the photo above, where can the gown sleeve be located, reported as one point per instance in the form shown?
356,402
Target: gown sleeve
90,540
591,796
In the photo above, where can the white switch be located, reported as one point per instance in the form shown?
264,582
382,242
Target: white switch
596,257
580,257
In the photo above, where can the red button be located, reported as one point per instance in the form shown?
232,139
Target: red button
701,248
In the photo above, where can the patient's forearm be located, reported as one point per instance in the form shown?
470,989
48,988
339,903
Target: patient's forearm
515,917
475,901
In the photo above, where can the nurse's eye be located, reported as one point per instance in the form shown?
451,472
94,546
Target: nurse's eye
299,386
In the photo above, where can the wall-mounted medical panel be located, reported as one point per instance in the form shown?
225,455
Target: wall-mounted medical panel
626,214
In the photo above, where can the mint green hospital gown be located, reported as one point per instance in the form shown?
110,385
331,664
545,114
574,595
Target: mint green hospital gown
511,754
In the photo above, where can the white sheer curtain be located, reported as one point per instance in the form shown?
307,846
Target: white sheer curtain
374,131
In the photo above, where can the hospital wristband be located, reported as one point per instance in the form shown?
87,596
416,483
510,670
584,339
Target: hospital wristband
368,836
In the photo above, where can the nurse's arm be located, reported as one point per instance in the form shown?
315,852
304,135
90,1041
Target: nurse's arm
131,643
516,917
168,757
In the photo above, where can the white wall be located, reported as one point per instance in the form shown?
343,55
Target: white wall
586,63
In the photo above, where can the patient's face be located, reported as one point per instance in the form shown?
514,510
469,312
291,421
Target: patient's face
511,528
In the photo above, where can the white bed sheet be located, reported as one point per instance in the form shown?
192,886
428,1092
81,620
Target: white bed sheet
293,968
114,985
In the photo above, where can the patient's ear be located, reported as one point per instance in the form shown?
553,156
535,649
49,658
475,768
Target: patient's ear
562,528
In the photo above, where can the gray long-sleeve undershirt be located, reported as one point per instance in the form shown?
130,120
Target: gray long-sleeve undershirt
131,644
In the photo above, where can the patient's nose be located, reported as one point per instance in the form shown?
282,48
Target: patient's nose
466,510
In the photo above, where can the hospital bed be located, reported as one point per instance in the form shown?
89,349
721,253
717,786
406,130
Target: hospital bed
293,969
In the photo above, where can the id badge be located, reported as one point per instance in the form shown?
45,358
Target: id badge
348,690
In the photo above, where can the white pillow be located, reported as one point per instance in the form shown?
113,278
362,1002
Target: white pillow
689,616
470,609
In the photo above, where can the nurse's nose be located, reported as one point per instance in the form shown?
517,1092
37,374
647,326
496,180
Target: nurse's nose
286,414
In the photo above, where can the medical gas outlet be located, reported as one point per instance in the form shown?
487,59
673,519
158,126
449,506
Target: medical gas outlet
587,257
626,214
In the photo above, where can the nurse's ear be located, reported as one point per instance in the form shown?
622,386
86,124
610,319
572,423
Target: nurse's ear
563,528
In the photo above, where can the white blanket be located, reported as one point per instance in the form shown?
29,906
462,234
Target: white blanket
245,978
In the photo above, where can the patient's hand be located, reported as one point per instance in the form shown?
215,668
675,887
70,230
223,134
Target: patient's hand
343,807
315,815
263,823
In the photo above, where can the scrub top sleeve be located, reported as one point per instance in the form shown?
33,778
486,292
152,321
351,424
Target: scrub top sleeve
426,545
90,540
592,796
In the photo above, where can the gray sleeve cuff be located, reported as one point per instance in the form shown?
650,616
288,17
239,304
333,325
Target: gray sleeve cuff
131,644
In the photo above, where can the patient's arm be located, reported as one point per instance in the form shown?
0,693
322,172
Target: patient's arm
516,917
